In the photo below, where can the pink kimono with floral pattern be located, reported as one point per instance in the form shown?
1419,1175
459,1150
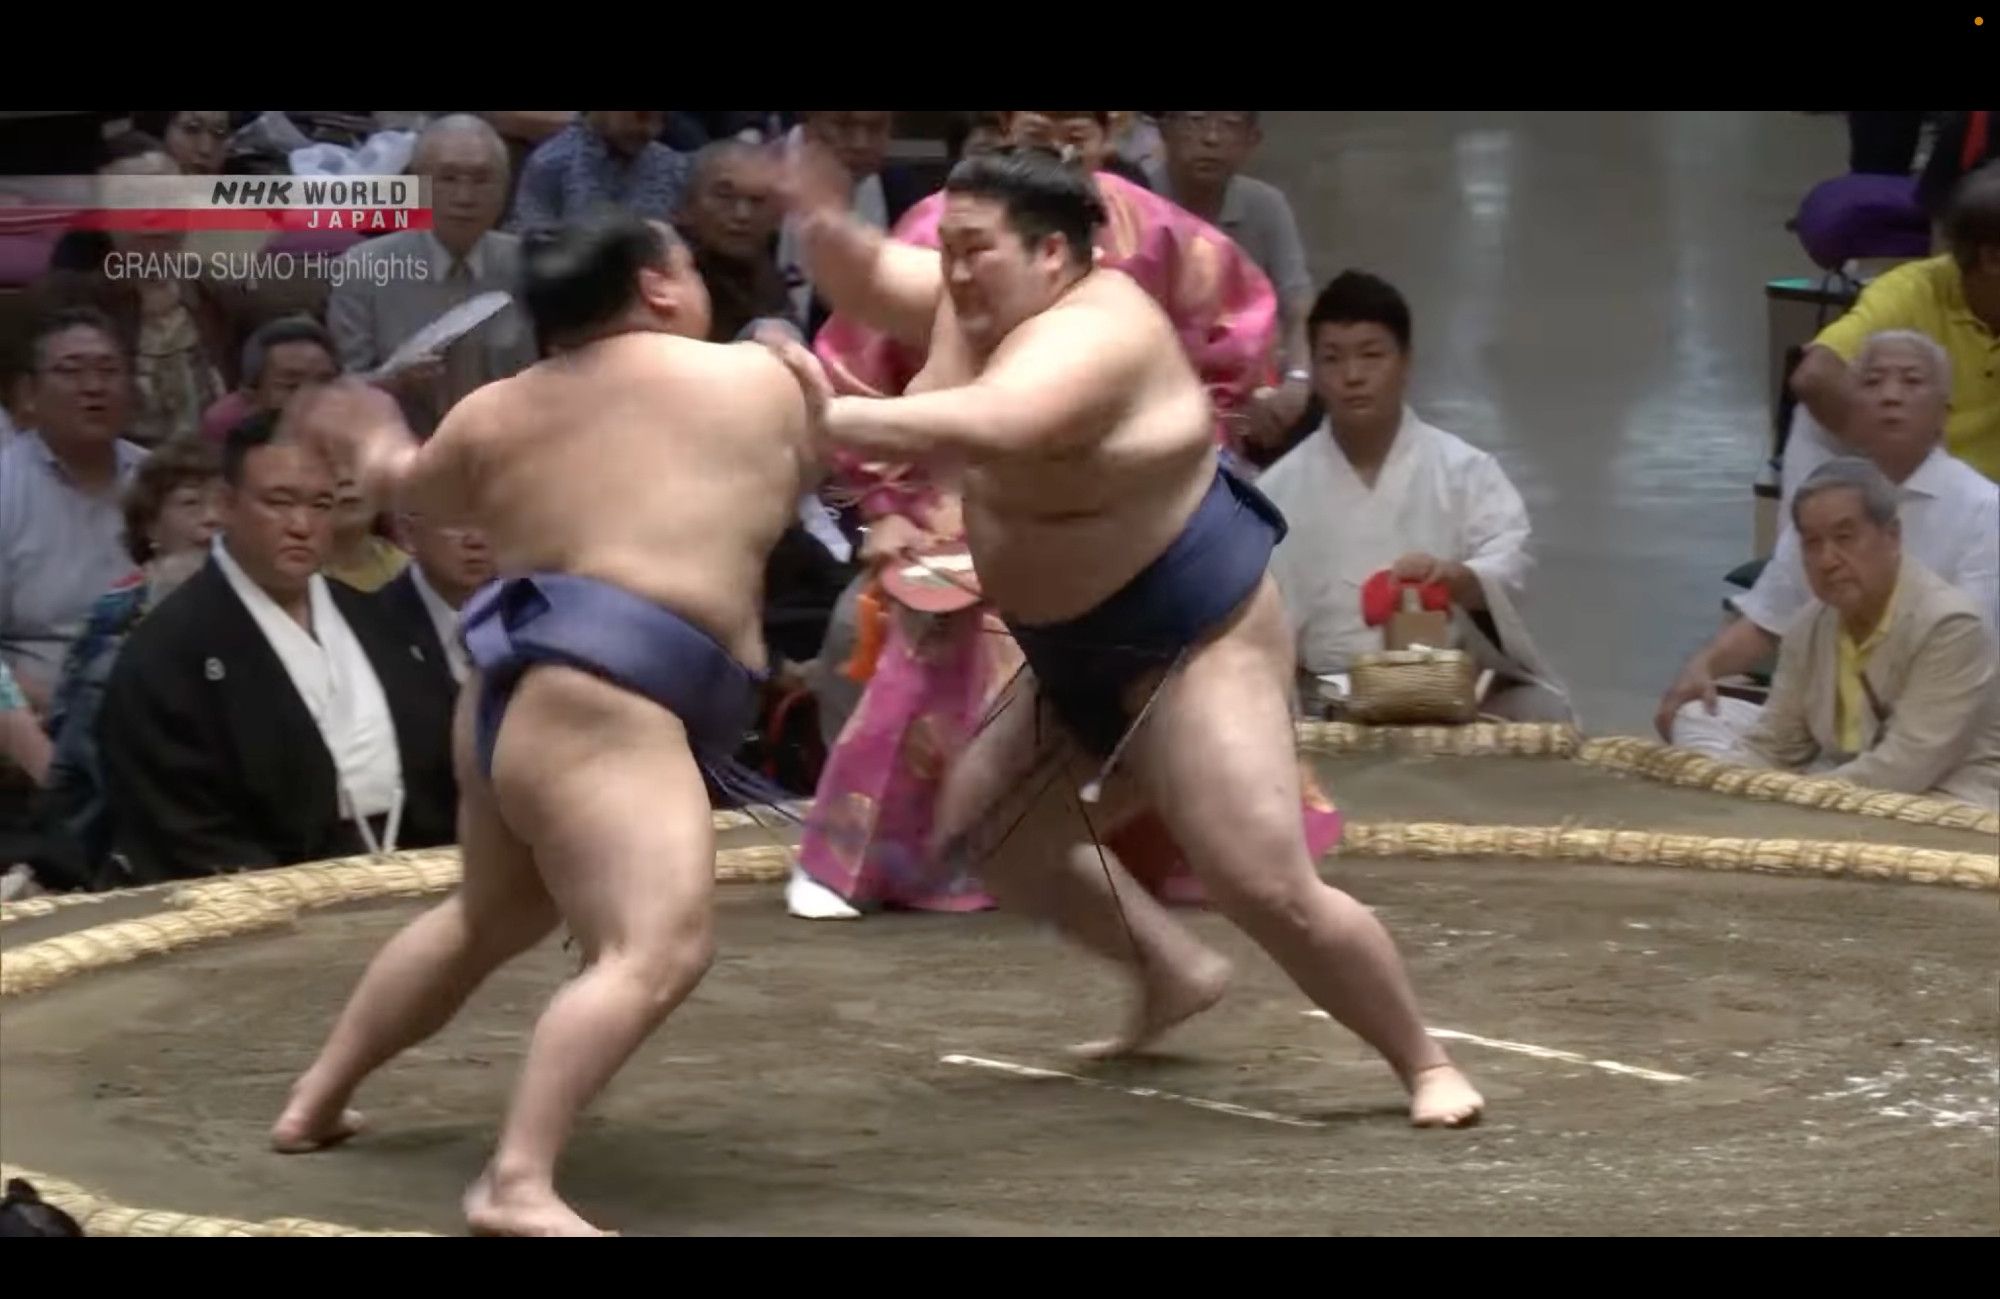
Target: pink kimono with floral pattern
869,832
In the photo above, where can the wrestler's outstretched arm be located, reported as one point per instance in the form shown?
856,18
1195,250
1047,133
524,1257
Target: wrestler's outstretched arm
882,282
360,426
1060,378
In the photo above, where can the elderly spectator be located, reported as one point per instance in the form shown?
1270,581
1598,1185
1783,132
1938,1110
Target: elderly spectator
1376,488
1889,678
197,141
1950,517
466,256
449,563
880,193
603,157
1205,156
171,513
283,356
264,715
730,221
1955,299
60,487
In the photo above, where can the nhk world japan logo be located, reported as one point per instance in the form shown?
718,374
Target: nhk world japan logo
270,204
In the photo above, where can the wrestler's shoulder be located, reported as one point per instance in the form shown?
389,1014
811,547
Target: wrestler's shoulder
1108,297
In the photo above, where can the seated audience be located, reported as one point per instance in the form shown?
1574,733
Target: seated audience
1953,298
730,222
1375,488
24,765
172,511
264,715
602,157
1205,156
197,141
1950,517
1086,134
881,192
970,135
60,488
283,356
179,331
23,746
1889,677
466,256
447,565
361,557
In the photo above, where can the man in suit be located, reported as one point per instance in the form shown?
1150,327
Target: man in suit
263,715
1891,677
399,283
447,565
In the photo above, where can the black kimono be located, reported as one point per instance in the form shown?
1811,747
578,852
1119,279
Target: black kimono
212,762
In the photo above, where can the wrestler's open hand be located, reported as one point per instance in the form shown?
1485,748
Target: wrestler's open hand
811,179
354,424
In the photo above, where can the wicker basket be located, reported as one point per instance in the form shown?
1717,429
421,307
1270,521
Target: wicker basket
1414,687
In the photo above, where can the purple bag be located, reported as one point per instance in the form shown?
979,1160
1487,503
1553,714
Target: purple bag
1862,216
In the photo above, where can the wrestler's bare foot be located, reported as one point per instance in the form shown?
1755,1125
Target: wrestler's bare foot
521,1209
308,1125
1441,1097
1167,998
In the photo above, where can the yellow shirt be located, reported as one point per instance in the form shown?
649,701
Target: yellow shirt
1929,296
1851,699
375,570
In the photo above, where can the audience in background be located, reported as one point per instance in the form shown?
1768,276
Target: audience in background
197,141
1087,135
1953,298
370,317
60,491
23,747
1889,677
179,331
730,222
263,714
969,135
879,194
448,563
282,357
603,157
172,511
360,555
1949,517
1375,488
1205,156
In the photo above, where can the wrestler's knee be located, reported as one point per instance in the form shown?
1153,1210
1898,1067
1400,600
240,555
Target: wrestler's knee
664,963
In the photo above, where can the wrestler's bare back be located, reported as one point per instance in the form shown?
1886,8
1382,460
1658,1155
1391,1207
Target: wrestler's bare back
1055,532
663,465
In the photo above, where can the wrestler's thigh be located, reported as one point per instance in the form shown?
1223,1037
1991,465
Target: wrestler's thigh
1003,764
602,787
500,885
1219,759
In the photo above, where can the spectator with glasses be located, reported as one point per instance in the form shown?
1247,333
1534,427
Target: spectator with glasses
61,484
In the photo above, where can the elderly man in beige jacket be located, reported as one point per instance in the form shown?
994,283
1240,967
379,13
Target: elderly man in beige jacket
1890,677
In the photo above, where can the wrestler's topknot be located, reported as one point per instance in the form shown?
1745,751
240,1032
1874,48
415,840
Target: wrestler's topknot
1042,193
581,276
